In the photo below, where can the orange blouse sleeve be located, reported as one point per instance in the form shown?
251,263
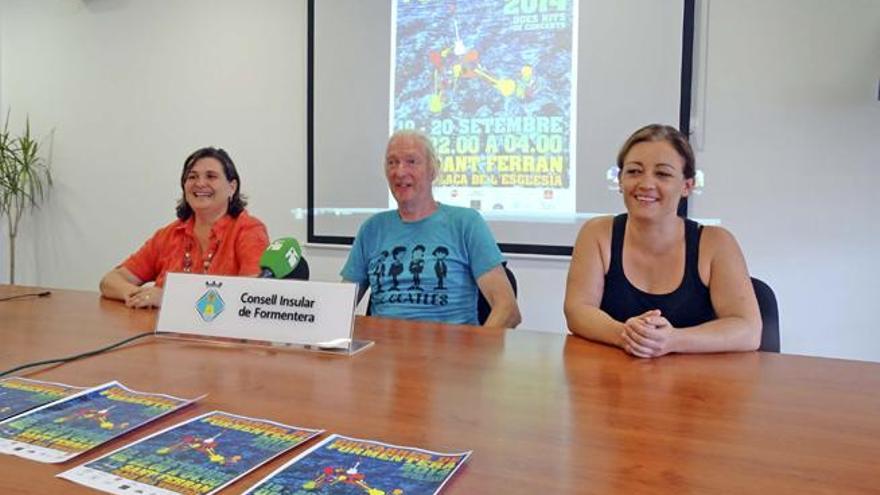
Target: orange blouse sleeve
249,246
144,263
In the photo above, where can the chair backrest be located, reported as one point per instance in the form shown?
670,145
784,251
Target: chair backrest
483,307
769,316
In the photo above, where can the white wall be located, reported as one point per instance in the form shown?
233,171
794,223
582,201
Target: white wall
131,88
791,152
790,140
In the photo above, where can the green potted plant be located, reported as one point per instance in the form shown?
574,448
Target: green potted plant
25,178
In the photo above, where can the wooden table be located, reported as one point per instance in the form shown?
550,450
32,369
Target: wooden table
543,413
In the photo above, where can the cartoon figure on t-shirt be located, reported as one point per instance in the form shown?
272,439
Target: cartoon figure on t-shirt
417,266
427,269
396,265
378,270
440,254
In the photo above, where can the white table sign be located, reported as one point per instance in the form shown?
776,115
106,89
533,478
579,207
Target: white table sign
260,309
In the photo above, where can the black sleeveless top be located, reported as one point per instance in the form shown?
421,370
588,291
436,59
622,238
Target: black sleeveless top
686,306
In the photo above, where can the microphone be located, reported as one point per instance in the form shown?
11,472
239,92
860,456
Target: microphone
281,259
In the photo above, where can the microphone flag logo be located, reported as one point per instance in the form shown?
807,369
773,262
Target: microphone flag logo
292,256
210,305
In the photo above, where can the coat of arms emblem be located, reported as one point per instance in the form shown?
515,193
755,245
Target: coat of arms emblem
210,305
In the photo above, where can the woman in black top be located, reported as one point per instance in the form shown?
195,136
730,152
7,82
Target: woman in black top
651,282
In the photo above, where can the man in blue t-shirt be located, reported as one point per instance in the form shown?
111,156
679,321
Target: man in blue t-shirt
425,260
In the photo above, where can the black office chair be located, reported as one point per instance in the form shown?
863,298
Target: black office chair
769,316
483,308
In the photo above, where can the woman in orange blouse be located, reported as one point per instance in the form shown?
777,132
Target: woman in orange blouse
213,234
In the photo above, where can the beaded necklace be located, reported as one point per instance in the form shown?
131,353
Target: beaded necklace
206,263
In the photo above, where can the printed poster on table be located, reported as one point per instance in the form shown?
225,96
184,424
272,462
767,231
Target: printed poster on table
343,465
196,457
18,395
493,84
63,430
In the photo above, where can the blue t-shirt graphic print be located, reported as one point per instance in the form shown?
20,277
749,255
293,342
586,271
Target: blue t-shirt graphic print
423,270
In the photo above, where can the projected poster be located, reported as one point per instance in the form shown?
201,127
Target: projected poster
493,83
